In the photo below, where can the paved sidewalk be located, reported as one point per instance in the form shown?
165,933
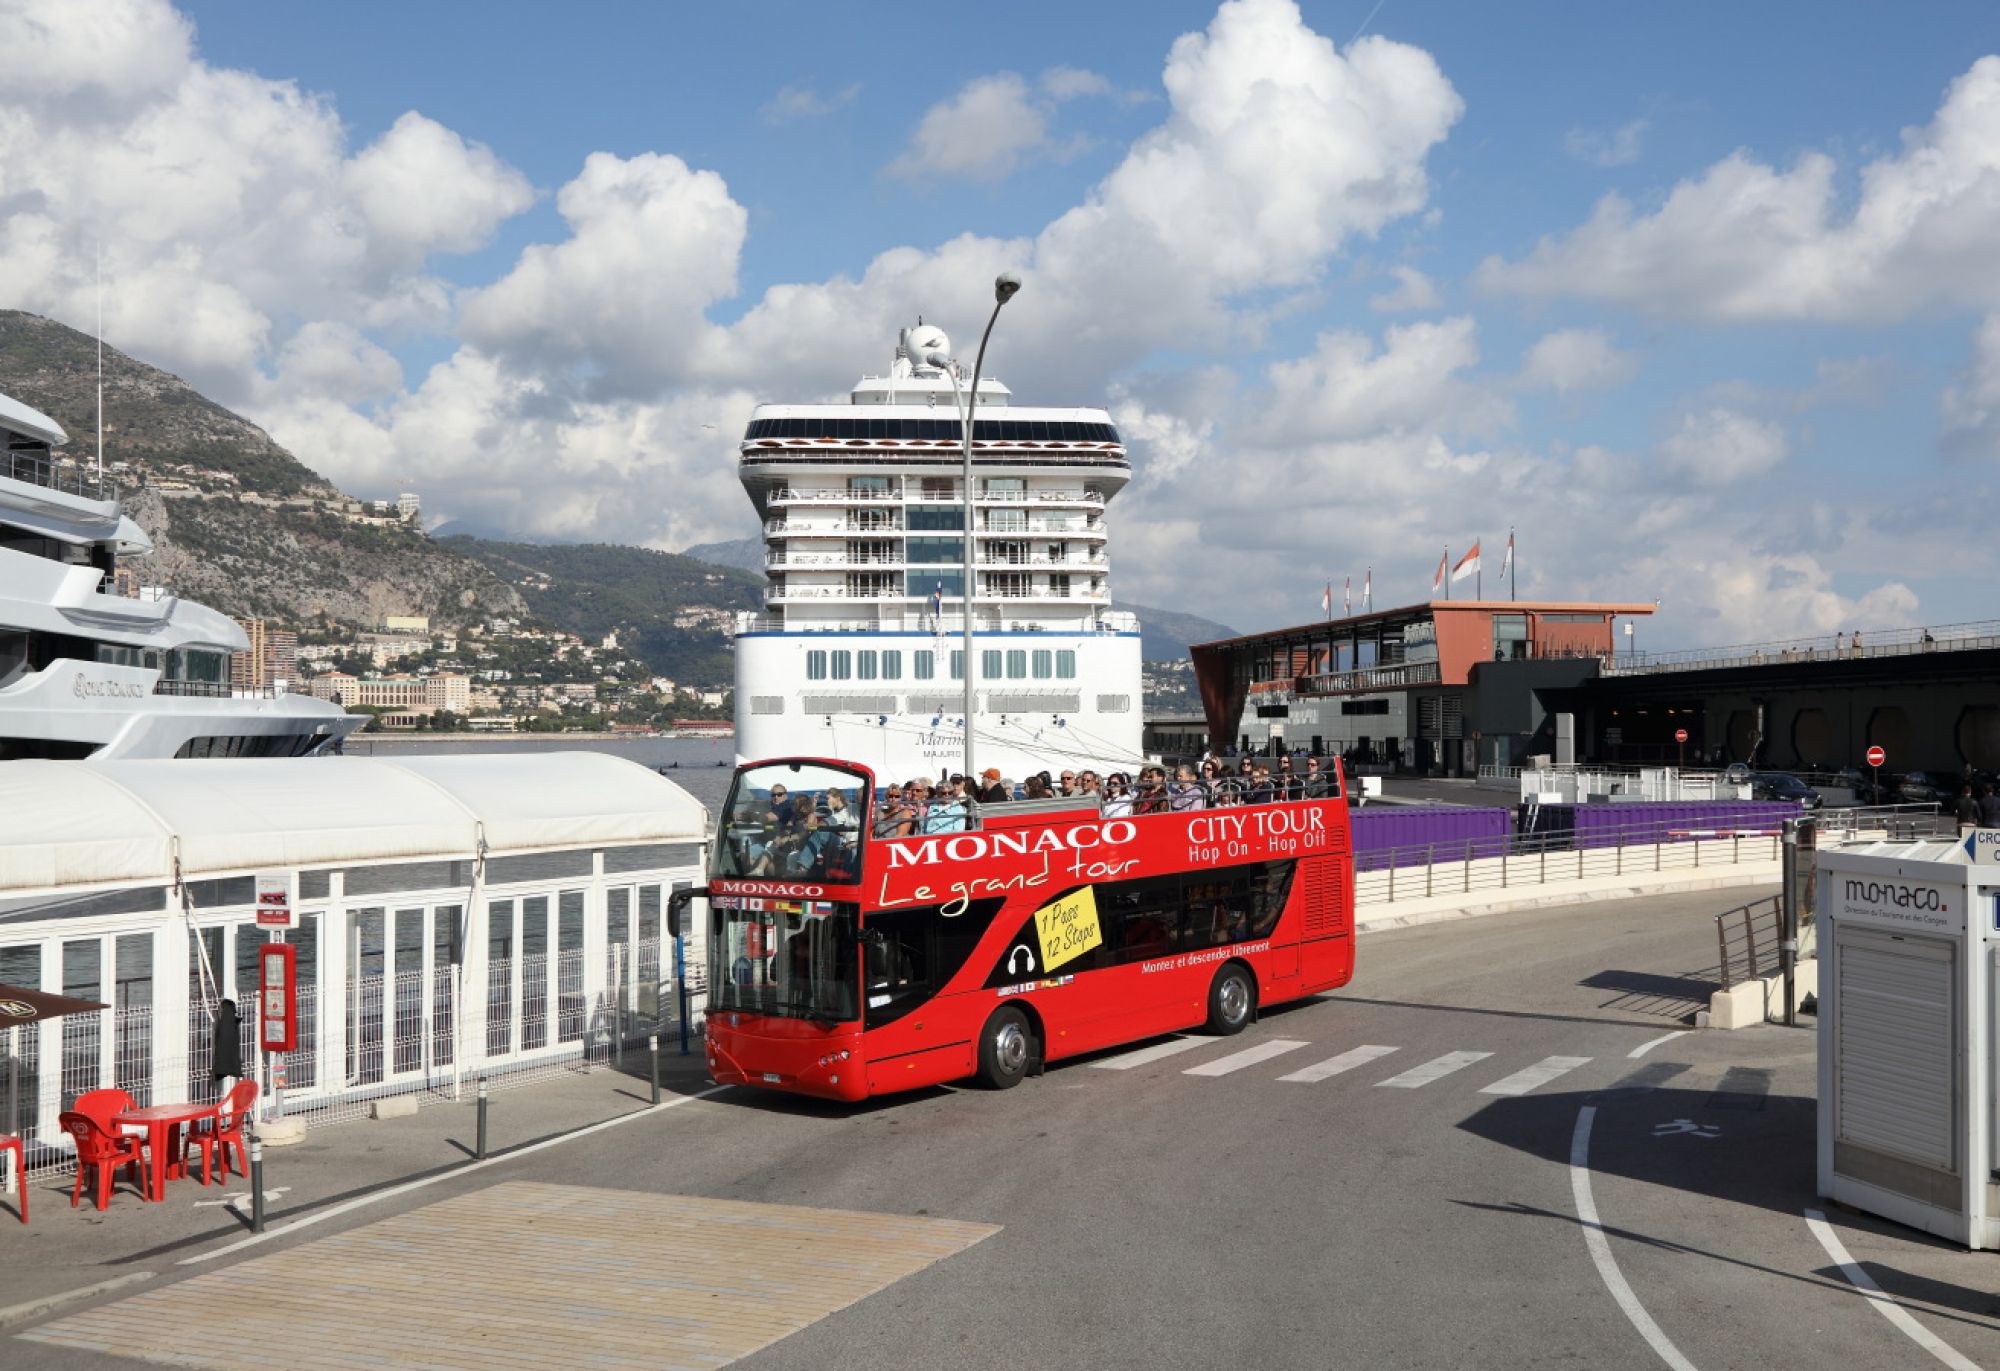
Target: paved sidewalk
1736,878
63,1249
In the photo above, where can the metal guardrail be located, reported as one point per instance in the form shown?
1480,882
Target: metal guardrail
1749,939
64,477
1901,642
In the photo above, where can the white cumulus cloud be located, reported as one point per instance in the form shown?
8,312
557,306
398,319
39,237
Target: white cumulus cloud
1748,241
1574,359
1719,447
1413,291
1616,148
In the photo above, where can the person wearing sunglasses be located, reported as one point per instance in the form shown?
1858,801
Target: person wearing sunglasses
1117,796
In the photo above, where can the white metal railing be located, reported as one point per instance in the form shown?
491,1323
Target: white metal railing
1368,678
402,1036
1901,642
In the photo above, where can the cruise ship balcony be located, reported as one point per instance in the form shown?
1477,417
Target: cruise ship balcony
831,561
792,496
36,468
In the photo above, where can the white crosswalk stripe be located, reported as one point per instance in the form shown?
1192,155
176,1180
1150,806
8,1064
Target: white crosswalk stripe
1435,1069
1125,1061
1249,1056
1333,1066
1536,1076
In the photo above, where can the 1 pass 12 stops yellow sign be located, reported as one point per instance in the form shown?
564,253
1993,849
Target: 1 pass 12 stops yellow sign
1068,928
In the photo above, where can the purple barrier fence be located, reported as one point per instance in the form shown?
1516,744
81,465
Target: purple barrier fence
1608,825
1403,836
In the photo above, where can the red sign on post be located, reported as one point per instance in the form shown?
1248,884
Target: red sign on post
274,902
277,997
1876,756
1680,735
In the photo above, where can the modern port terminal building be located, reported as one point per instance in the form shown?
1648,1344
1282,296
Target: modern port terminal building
1448,686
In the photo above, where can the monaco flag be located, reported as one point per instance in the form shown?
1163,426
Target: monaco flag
1507,561
1437,581
1468,565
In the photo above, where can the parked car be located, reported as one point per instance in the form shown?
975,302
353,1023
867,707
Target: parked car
1927,787
1779,785
1866,790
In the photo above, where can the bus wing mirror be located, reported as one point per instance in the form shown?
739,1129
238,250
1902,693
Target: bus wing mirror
677,904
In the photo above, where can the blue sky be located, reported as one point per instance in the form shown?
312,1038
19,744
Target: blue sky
1697,427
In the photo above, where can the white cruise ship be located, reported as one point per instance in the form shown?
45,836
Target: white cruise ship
858,654
88,672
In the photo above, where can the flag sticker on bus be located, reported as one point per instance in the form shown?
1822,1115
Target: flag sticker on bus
1068,928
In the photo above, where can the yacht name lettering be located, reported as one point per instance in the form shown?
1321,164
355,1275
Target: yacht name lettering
87,689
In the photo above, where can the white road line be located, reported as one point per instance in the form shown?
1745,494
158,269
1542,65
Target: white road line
1125,1061
1249,1056
1536,1076
1434,1069
1333,1066
1600,1246
1643,1048
334,1211
1883,1302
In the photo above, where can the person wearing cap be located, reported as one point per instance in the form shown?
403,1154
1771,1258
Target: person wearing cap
991,789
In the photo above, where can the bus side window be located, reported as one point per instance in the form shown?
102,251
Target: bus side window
1141,919
909,955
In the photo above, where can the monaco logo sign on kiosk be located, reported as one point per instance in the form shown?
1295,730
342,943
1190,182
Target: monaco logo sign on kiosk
274,901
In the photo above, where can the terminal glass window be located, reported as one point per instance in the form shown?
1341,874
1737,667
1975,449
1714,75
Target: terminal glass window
816,665
1510,637
934,551
1065,664
923,665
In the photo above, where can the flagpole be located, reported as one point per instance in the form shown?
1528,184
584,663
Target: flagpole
1510,565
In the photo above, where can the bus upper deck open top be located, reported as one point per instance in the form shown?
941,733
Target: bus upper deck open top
844,965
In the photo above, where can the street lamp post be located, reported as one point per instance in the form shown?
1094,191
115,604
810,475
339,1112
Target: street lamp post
1004,287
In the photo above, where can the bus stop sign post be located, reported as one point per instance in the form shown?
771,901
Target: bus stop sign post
277,1013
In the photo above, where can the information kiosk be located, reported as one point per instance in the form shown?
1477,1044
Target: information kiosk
1909,1037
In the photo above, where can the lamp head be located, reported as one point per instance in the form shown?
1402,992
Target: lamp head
938,360
1005,285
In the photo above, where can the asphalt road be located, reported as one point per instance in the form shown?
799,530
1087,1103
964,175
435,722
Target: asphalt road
1394,1213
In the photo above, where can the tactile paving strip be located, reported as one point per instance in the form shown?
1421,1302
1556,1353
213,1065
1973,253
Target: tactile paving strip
527,1275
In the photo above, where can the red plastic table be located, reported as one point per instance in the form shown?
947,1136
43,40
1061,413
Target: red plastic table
163,1123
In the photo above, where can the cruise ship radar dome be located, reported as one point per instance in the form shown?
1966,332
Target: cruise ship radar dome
925,339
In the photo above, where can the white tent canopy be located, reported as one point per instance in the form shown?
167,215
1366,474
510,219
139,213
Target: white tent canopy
70,824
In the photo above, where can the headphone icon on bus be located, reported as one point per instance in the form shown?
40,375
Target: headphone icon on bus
1020,953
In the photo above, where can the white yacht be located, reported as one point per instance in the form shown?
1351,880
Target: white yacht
858,654
88,672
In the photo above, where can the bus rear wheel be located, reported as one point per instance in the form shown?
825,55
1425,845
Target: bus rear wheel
1232,998
1006,1045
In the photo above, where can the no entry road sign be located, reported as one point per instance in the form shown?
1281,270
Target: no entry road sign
1680,735
1876,756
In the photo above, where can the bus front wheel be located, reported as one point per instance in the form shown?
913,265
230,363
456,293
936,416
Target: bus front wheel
1232,998
1005,1047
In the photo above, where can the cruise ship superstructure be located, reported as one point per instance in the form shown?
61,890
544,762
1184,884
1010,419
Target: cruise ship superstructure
88,672
857,654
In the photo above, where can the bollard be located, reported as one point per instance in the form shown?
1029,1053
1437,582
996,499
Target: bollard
653,1050
479,1151
256,1183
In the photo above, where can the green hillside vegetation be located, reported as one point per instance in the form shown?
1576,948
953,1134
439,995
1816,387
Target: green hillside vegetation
647,597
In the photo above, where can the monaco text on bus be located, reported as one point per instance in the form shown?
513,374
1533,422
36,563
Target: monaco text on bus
846,965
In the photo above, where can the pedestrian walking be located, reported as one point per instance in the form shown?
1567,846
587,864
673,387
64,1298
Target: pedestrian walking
1989,808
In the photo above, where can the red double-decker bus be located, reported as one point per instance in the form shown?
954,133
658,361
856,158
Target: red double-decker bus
843,965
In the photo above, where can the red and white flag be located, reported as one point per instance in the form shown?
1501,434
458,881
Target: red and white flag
1326,600
1507,561
1437,581
1347,596
1468,565
1368,591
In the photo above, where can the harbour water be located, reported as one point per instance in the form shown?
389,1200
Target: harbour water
700,766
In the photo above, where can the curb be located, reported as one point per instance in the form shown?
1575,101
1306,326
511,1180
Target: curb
34,1309
1365,922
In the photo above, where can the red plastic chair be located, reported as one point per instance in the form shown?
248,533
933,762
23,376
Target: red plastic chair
103,1149
224,1132
10,1143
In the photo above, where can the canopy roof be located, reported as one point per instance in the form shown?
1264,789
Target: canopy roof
102,823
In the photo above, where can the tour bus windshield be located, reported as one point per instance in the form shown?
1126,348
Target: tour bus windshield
790,965
793,821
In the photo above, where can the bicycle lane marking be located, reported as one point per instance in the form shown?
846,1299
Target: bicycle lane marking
1885,1303
1599,1245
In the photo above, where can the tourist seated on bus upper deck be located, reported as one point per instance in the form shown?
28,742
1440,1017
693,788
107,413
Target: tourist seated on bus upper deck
838,814
1117,796
895,817
947,812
